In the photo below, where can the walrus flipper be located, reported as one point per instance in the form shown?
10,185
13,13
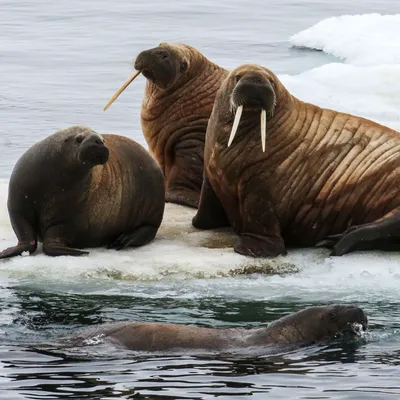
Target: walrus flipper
27,239
382,234
139,237
183,197
18,250
260,235
58,249
210,214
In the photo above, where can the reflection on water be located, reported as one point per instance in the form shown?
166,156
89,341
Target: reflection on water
306,372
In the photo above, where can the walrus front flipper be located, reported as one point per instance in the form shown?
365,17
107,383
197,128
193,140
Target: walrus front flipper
27,239
211,214
183,197
139,237
183,183
184,178
260,235
381,234
18,250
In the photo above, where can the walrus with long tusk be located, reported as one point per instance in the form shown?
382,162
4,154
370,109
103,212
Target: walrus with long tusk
285,172
177,102
78,189
303,327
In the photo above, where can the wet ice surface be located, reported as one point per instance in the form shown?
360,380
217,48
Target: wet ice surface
60,64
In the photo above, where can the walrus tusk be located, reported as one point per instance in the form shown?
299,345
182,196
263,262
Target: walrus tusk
121,89
235,124
263,129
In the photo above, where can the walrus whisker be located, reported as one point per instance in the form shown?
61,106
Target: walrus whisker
121,89
263,129
238,114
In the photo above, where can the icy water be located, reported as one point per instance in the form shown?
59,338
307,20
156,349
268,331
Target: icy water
60,63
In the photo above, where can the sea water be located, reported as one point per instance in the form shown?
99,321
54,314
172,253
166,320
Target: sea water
60,63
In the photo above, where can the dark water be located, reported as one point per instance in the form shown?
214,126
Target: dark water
364,369
60,62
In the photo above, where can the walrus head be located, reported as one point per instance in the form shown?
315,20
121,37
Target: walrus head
252,89
163,66
89,146
318,323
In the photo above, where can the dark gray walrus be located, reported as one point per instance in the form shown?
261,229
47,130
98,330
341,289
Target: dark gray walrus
306,326
78,189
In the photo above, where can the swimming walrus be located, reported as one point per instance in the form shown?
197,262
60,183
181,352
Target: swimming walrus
177,102
78,189
306,326
316,177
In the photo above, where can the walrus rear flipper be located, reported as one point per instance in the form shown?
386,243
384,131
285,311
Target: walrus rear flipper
139,237
382,234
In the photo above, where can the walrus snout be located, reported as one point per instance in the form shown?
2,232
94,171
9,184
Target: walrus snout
353,314
93,150
344,318
157,65
252,91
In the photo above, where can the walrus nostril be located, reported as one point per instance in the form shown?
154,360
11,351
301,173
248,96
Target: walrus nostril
256,79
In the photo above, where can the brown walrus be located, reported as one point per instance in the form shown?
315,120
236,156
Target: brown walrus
306,326
316,177
178,99
78,189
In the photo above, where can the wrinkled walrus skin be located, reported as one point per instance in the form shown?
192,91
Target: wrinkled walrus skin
78,189
307,326
178,99
326,178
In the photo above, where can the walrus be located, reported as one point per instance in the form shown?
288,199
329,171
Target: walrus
177,102
284,172
309,325
78,189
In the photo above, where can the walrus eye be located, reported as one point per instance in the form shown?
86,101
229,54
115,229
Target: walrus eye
237,77
184,66
79,139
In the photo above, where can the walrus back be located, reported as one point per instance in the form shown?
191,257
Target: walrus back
341,175
157,336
